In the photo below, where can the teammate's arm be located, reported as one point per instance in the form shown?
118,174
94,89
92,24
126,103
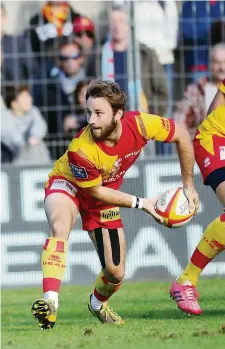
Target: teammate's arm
219,98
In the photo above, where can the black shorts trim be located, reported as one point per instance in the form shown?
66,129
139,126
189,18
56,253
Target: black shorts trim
215,178
115,246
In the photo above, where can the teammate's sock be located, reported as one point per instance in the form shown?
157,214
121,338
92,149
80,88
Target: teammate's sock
53,267
211,244
95,302
103,290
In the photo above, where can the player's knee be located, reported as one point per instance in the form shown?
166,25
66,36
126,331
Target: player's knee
60,229
115,275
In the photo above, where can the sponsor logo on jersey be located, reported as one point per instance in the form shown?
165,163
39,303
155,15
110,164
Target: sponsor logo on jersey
78,172
134,153
165,124
111,214
207,162
64,185
116,167
222,153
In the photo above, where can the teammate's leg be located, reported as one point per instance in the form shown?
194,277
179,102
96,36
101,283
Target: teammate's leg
110,245
212,243
61,213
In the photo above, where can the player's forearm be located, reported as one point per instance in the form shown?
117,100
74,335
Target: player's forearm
186,156
112,197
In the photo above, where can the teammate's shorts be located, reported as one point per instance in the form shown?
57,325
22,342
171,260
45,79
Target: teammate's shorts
209,164
94,214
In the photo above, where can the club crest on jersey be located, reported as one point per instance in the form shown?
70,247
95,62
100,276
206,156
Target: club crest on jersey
78,172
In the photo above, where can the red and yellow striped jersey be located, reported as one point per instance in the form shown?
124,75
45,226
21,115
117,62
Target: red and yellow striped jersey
88,162
214,123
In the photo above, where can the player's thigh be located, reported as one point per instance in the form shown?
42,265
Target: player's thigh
220,192
110,245
61,212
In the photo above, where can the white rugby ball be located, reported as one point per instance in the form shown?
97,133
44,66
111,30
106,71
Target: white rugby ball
173,207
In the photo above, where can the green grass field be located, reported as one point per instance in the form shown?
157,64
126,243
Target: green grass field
152,320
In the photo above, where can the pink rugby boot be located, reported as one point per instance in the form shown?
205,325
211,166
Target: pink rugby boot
186,297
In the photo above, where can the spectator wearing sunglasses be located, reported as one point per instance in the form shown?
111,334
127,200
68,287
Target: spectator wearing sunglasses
56,97
84,31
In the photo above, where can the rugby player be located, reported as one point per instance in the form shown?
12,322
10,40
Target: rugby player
86,180
209,147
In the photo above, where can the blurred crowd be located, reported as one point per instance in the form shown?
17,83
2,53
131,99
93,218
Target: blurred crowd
45,70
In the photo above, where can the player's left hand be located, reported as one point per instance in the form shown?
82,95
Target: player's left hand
193,199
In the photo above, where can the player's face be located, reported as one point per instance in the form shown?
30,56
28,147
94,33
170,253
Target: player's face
101,118
218,64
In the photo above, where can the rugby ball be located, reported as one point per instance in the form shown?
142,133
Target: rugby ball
173,207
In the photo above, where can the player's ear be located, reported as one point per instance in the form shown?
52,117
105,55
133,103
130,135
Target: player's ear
118,114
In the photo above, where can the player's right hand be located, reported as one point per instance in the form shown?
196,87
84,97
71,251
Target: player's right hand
149,207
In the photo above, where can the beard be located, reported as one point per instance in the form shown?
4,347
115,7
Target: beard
102,133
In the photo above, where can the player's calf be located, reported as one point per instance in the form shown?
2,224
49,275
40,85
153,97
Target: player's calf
111,251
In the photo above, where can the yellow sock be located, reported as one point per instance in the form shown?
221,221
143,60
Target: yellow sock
53,263
211,244
103,288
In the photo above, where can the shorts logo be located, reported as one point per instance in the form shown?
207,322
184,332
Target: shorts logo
111,214
222,153
62,184
78,172
206,162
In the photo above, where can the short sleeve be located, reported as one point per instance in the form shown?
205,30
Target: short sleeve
155,127
84,172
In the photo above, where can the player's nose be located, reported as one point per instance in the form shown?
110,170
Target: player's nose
92,119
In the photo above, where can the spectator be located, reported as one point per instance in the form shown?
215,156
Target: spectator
153,95
75,122
84,31
11,139
157,27
56,97
17,63
191,111
23,127
54,22
196,19
217,32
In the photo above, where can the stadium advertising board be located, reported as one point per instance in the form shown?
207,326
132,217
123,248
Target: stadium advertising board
153,252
